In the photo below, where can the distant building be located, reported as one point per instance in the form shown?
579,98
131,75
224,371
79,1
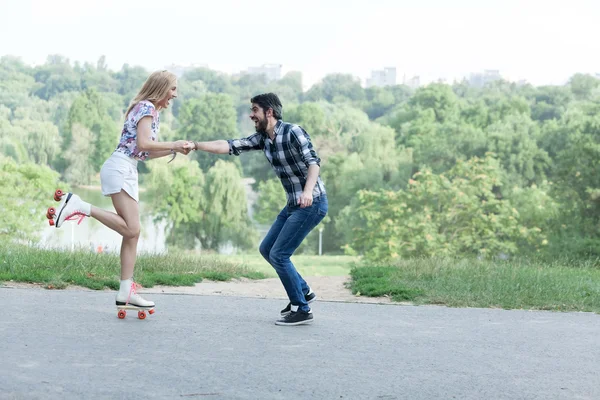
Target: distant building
271,71
179,70
482,79
413,82
381,78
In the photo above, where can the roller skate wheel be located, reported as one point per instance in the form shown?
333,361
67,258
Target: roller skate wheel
58,194
151,311
121,314
51,222
142,314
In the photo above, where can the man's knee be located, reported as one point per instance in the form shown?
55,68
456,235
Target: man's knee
277,257
264,250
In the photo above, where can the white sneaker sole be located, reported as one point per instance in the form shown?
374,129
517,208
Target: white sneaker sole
308,321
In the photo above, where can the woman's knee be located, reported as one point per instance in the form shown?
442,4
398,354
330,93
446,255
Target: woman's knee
132,232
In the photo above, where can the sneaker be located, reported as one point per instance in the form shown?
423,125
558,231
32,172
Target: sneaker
71,207
132,298
296,318
309,297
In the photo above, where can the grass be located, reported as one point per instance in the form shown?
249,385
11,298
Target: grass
57,269
559,285
306,265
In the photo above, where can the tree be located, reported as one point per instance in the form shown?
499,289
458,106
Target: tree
582,85
209,118
514,140
25,194
41,139
337,88
456,213
56,76
90,111
437,97
209,209
80,170
177,196
271,199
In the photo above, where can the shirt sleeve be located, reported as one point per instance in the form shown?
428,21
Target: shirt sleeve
301,140
239,146
141,110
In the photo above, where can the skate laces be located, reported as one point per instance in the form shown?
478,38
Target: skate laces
134,286
76,216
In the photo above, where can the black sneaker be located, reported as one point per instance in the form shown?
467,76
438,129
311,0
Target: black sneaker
309,297
296,318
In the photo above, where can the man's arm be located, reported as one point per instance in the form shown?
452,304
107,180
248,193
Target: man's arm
301,140
215,146
233,147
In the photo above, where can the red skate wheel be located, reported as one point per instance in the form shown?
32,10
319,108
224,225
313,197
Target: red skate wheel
122,314
142,314
151,311
58,194
51,211
51,222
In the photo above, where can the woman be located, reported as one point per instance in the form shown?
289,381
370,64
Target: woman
119,177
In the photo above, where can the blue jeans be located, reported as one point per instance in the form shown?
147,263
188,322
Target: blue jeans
292,225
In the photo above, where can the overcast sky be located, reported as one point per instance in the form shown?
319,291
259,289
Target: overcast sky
543,42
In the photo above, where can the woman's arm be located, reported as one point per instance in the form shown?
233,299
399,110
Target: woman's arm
159,153
145,143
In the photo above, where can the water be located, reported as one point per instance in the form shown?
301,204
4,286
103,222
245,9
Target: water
92,235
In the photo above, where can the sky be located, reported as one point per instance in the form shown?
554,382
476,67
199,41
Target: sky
543,42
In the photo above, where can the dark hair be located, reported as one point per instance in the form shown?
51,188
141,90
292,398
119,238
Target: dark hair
268,100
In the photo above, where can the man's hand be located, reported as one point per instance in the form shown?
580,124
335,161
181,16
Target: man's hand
189,146
306,199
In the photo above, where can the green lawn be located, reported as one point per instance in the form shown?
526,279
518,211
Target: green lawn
567,285
57,269
306,265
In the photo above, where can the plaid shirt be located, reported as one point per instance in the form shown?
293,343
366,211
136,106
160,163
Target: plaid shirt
290,154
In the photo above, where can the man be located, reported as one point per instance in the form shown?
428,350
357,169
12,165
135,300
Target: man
289,150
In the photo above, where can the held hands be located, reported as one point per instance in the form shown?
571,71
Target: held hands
183,146
306,199
190,146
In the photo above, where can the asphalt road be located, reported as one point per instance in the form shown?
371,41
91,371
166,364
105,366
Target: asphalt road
71,345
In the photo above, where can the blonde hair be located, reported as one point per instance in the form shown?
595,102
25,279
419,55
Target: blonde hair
154,89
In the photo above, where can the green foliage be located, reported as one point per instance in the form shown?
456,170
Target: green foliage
67,116
207,210
271,199
446,214
79,170
582,85
337,88
25,194
208,118
91,111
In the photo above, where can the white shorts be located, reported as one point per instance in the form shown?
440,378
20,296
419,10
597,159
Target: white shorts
120,172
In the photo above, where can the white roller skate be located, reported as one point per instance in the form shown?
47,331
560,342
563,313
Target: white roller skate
130,300
70,208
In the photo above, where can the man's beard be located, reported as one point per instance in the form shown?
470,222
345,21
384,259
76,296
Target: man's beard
262,126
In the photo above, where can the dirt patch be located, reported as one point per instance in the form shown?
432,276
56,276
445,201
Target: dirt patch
327,288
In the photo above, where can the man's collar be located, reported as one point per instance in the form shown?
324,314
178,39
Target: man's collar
277,127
